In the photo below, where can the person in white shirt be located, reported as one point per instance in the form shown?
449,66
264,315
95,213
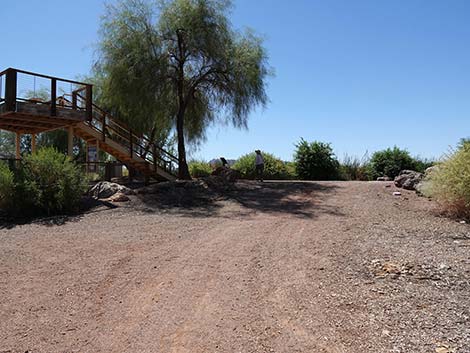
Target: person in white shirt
259,165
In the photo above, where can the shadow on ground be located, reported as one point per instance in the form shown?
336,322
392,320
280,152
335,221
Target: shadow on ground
207,197
88,205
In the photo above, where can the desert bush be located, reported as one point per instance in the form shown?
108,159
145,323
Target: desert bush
353,168
316,161
449,183
421,164
274,168
7,186
46,182
390,162
199,169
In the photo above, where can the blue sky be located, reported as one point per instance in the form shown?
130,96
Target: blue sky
363,74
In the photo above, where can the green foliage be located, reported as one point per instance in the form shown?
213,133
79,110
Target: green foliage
421,164
449,183
274,168
46,182
390,162
199,169
180,65
7,186
353,168
316,161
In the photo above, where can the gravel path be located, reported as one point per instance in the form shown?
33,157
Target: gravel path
341,267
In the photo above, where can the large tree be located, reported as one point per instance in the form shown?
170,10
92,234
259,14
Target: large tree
182,62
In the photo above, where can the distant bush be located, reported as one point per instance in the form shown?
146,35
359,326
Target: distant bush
353,168
316,161
46,182
449,183
199,169
274,168
390,162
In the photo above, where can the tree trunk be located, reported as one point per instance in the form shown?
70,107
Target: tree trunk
183,170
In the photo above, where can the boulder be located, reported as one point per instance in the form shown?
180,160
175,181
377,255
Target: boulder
106,189
430,170
408,179
119,197
227,174
384,178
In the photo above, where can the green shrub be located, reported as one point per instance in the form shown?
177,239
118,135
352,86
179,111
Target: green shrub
199,169
274,168
390,162
353,168
7,186
449,183
316,161
421,164
46,182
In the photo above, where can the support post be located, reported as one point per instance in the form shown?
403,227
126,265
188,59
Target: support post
74,100
70,141
10,90
103,125
33,143
130,144
154,152
53,97
89,102
18,145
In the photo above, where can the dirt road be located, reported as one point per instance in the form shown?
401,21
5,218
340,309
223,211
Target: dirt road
279,267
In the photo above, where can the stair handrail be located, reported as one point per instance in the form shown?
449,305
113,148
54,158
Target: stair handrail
133,140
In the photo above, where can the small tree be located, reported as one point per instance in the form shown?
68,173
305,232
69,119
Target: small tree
390,162
274,168
184,63
316,161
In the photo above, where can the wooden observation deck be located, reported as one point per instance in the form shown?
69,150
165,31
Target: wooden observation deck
32,103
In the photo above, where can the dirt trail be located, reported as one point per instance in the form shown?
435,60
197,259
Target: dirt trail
279,267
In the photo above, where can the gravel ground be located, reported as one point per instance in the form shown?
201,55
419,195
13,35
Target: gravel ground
273,267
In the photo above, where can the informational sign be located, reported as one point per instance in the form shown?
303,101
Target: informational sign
92,154
92,157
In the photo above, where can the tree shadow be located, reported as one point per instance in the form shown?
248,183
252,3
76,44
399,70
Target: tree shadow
88,205
208,198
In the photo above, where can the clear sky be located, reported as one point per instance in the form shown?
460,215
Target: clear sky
362,74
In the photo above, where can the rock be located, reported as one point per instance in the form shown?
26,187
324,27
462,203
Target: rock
430,170
408,179
384,178
119,197
105,189
228,174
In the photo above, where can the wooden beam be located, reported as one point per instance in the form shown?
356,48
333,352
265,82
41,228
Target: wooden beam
33,143
70,141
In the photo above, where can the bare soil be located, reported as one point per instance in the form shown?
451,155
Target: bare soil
273,267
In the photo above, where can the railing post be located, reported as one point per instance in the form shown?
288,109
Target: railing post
154,152
53,97
130,142
89,102
74,100
103,126
10,90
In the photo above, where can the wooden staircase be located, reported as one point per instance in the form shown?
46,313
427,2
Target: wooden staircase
131,149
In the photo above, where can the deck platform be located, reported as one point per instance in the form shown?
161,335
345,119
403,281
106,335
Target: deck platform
32,103
33,118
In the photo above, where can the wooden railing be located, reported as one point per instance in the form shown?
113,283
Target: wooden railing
138,145
18,86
